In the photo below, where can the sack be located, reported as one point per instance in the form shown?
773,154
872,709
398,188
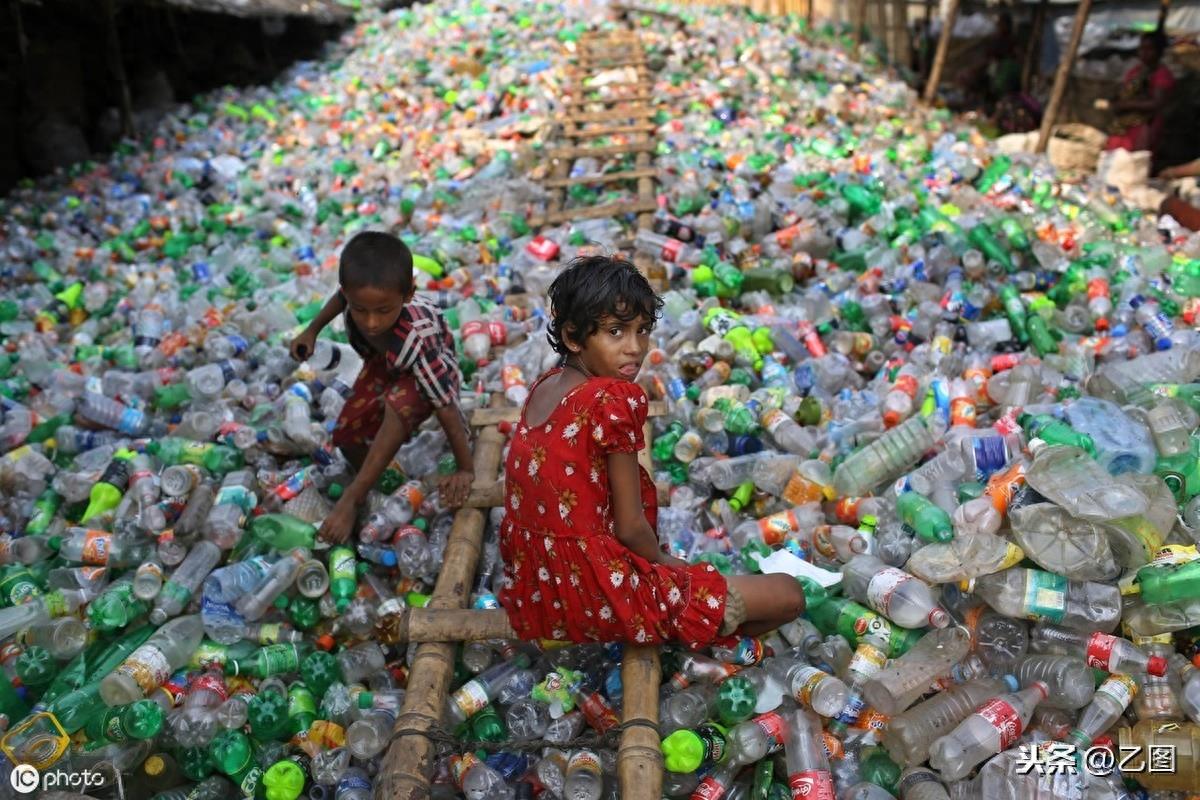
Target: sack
1075,146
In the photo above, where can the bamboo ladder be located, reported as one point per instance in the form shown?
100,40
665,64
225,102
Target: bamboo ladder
407,767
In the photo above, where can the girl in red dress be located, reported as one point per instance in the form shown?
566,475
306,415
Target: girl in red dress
582,560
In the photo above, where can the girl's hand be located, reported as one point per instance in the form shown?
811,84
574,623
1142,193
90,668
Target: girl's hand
455,487
304,345
337,526
672,561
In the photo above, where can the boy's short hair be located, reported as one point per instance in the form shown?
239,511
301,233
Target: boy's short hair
376,259
592,287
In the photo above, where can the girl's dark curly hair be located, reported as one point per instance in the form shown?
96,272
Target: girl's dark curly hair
591,287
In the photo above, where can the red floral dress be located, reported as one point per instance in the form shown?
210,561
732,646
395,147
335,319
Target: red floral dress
566,575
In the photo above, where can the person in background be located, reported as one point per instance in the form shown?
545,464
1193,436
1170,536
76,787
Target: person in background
1142,98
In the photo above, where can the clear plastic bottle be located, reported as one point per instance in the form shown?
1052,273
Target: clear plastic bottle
1069,678
809,686
888,456
148,580
184,581
898,685
807,767
369,735
1100,650
902,598
228,583
196,723
1189,680
918,783
992,728
1158,697
908,736
150,665
1108,705
1037,594
584,778
252,605
753,740
362,660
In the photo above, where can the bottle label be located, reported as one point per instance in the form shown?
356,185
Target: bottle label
278,659
811,784
805,682
853,710
1099,650
96,547
671,250
584,760
883,585
459,767
113,730
858,624
342,566
1046,596
239,496
511,376
991,454
471,698
772,725
249,784
709,789
474,328
131,421
1004,718
1121,688
209,682
775,528
498,333
147,666
914,778
867,660
269,633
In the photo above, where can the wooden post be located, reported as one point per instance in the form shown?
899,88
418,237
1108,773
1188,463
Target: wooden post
639,756
116,63
1033,54
882,32
1062,76
859,21
444,625
939,59
408,765
808,14
901,50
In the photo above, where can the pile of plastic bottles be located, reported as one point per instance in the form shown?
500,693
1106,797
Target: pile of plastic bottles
956,397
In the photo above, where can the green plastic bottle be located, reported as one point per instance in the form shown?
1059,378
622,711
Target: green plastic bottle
1181,472
44,510
857,623
282,532
171,397
928,520
1054,431
116,607
488,726
301,708
274,659
1168,583
267,715
736,699
1014,309
215,458
96,661
320,670
343,576
142,719
233,754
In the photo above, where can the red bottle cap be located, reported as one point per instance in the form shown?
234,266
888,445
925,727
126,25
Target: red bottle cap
1157,666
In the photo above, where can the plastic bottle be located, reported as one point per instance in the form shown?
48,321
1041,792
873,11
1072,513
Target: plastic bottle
909,735
896,686
887,457
1068,677
807,767
1108,704
1036,594
177,592
900,597
992,728
151,664
1100,650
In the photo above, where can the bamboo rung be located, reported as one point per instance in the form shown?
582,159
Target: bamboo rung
488,496
610,130
444,625
608,116
602,151
629,98
608,177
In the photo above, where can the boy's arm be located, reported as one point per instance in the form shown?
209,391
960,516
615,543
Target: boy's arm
456,487
333,306
392,433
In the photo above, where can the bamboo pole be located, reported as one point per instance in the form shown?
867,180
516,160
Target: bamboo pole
116,64
859,20
408,765
881,29
900,47
1033,52
444,625
1062,76
939,59
639,756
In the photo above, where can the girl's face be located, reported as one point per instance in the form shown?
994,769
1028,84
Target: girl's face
616,349
374,309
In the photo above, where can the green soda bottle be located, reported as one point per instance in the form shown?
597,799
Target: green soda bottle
168,398
1041,336
857,623
96,661
986,242
107,492
142,719
35,667
663,448
215,458
1014,309
232,754
320,670
304,612
343,576
1054,431
1169,583
1181,472
116,607
686,751
283,780
274,659
301,709
267,714
994,172
487,726
282,532
927,519
44,509
863,202
736,699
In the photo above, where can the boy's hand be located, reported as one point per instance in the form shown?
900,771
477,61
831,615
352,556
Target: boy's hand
304,345
337,526
455,487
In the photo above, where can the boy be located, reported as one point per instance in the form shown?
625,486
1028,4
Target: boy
409,372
